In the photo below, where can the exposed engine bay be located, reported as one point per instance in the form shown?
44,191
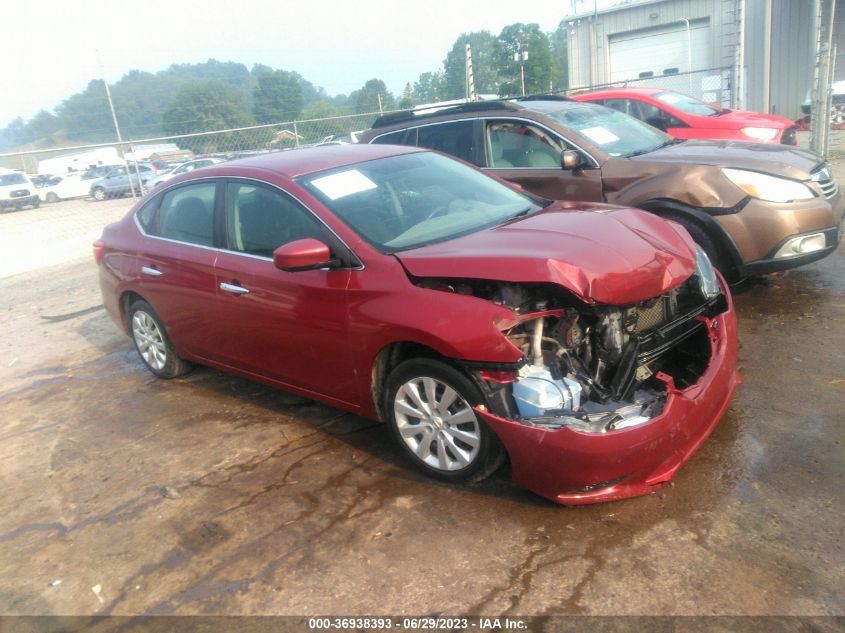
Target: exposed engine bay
593,368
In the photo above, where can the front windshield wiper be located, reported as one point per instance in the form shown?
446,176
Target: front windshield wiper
640,152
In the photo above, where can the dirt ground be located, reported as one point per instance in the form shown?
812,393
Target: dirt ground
127,495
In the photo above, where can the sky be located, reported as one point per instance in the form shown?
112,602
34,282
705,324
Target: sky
336,44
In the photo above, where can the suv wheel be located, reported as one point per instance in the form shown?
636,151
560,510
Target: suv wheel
99,194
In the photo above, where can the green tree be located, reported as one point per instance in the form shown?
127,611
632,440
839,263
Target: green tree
513,40
366,99
202,106
430,87
559,45
407,101
484,66
277,97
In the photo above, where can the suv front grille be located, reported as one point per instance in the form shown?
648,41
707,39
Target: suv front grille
823,177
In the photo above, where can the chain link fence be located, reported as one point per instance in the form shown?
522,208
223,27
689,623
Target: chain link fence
713,85
55,202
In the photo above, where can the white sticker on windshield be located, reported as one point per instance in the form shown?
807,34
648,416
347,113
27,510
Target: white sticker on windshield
343,184
600,135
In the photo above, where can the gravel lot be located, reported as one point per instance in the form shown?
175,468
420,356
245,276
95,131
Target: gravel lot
127,495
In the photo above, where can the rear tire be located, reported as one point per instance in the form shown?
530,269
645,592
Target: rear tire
428,405
152,342
99,194
52,197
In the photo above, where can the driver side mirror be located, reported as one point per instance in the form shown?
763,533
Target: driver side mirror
305,254
570,159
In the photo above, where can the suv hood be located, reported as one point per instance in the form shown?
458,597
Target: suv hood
779,160
601,253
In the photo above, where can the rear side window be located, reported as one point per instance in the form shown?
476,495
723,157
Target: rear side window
456,138
146,214
402,137
259,220
186,214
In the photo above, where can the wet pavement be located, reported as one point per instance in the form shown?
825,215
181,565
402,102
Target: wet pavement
124,494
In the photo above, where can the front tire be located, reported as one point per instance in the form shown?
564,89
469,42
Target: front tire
36,203
429,410
99,194
152,343
52,197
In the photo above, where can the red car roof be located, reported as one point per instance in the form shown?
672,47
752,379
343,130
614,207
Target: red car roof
299,162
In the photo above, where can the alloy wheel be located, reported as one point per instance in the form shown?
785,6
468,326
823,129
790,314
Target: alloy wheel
149,340
437,424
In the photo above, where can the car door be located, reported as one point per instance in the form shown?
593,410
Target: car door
530,155
176,263
287,326
115,179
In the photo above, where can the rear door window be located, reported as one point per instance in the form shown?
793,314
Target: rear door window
186,214
457,138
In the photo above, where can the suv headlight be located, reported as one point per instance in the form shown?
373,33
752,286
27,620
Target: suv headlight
707,280
767,187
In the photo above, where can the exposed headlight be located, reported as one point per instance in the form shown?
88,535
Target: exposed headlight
767,187
760,133
707,280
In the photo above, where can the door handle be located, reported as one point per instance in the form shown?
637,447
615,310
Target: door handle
153,272
238,290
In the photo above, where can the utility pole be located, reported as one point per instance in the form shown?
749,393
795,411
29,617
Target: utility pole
116,126
470,80
521,56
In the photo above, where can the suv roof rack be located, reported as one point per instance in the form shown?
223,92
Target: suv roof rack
542,97
435,110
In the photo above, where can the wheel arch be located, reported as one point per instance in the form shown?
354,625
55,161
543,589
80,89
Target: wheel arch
671,209
392,355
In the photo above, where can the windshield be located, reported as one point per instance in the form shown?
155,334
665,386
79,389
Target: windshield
615,132
686,104
406,201
12,179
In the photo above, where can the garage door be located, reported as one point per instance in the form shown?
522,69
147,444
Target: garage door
659,50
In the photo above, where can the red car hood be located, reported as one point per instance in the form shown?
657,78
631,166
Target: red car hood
736,119
603,254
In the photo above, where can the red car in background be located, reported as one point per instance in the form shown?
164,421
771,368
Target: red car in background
592,345
684,117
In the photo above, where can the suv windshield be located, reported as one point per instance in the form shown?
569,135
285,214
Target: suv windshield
12,179
686,104
406,201
616,133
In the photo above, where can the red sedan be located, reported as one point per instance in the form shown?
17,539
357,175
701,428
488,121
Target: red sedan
684,117
593,346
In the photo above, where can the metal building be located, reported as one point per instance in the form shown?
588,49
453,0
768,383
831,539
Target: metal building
755,54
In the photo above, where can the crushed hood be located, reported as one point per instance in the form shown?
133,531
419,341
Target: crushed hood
601,253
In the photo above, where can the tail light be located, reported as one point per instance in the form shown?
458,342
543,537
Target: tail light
99,249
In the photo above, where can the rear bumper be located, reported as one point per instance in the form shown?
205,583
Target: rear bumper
570,467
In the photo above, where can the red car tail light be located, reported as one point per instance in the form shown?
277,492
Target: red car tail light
99,249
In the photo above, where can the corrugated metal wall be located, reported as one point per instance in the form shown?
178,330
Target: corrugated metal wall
791,55
591,33
791,44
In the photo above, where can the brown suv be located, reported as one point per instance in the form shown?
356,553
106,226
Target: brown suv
754,208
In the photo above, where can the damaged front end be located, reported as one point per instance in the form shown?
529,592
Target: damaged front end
596,371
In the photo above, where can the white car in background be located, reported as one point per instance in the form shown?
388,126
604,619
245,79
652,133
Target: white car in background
184,168
64,187
16,190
